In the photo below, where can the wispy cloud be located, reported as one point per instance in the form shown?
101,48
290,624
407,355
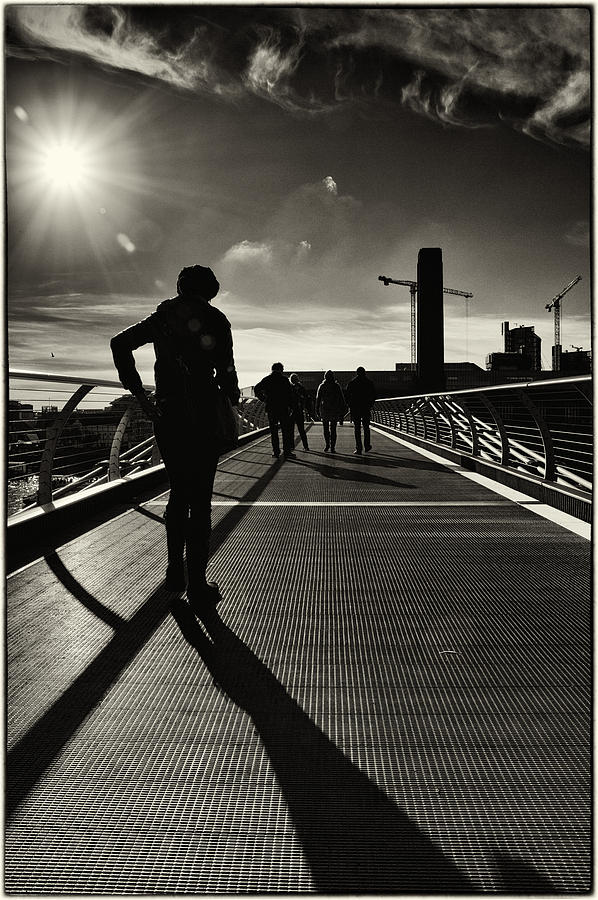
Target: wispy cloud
464,67
110,36
578,234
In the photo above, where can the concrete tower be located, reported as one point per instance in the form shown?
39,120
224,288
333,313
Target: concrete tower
430,321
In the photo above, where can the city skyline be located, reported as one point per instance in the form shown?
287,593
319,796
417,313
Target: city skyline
301,152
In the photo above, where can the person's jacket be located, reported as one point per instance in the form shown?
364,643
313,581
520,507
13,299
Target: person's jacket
276,391
301,396
330,401
193,345
360,393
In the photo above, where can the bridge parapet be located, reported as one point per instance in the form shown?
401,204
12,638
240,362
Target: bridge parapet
537,435
68,433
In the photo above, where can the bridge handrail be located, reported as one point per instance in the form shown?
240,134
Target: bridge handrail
517,385
542,429
78,469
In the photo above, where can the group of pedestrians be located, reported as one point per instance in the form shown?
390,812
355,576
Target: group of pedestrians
286,403
194,369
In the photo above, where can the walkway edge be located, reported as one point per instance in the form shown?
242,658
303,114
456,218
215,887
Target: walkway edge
571,523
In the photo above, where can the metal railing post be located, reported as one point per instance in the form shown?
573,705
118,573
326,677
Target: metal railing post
549,460
502,432
114,464
451,422
475,443
44,491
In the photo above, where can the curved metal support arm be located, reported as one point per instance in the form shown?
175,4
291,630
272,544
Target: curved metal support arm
475,441
502,432
44,492
114,465
549,459
450,419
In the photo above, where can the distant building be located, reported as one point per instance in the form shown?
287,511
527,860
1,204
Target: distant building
18,411
524,341
507,362
577,363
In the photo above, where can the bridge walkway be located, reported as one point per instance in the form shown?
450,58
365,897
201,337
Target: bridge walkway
393,694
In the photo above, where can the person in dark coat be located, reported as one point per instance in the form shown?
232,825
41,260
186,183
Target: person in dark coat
276,392
194,360
299,409
331,406
361,394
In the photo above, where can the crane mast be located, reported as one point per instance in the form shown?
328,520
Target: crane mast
412,285
555,304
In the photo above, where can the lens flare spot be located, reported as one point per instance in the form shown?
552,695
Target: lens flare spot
21,114
125,242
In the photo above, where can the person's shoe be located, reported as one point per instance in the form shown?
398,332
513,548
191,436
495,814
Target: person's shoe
288,454
357,452
203,596
305,447
368,448
175,578
332,449
276,455
326,448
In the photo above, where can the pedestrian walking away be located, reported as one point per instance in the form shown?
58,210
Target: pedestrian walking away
276,392
194,362
361,394
299,408
331,406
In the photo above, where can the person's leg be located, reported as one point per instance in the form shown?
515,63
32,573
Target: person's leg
332,435
273,422
200,525
287,424
177,509
357,429
326,427
367,443
301,429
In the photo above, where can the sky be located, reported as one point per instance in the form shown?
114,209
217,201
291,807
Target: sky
300,152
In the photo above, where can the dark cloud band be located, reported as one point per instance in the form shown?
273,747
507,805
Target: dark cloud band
464,67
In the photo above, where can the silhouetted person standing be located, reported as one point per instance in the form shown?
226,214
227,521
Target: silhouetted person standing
299,409
276,392
361,394
194,360
331,406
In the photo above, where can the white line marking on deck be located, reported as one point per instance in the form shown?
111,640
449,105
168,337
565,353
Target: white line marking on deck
571,523
337,503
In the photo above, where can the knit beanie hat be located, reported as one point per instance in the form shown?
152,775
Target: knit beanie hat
197,280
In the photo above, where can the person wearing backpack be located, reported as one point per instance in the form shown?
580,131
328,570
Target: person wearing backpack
194,362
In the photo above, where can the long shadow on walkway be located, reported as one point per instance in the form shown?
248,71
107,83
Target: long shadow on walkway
35,752
355,839
339,473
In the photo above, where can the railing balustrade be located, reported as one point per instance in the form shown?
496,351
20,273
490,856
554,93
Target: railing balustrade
67,433
543,429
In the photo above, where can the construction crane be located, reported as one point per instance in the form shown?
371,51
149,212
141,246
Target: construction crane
412,285
555,304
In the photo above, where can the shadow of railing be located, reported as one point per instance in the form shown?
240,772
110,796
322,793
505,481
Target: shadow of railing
355,839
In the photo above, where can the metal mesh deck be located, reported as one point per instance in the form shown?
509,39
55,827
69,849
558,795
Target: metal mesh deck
390,698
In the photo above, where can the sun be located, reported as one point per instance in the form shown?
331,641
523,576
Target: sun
65,165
